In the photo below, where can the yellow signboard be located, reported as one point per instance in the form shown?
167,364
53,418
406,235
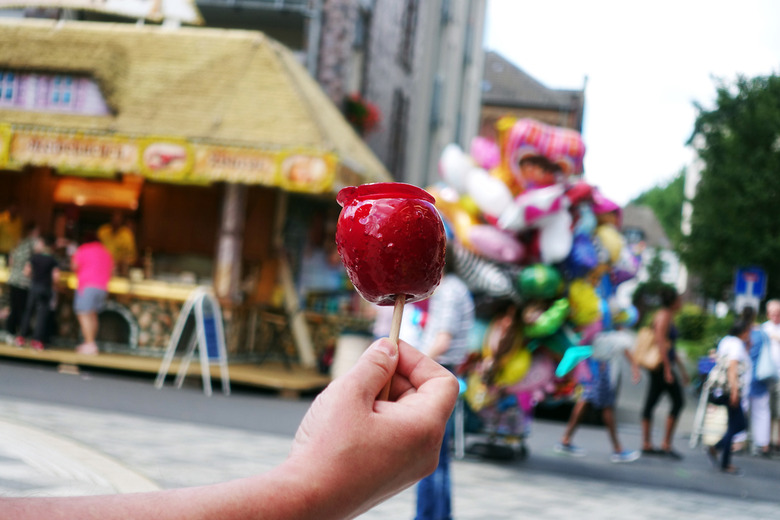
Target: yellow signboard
89,155
237,165
167,159
5,144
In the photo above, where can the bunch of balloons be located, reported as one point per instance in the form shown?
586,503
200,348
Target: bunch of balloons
529,230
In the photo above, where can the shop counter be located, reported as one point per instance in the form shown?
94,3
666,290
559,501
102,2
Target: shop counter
138,318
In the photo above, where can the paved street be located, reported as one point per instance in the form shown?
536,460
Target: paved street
63,449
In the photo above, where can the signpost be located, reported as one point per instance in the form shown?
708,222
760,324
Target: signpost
208,337
749,287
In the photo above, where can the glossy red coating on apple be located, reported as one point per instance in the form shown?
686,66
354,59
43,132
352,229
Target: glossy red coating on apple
391,240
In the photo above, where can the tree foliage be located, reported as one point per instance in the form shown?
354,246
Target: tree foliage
666,202
735,215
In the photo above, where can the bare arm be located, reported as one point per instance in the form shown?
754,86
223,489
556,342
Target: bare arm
635,373
733,383
441,343
350,453
661,324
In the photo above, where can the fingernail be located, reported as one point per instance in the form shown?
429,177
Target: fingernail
386,346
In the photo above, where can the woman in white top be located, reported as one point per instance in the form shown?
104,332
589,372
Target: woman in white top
734,347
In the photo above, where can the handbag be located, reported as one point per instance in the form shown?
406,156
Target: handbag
717,384
765,367
646,352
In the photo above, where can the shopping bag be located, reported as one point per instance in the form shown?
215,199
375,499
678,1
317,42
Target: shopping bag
646,351
765,366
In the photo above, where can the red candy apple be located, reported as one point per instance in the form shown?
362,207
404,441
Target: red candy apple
391,240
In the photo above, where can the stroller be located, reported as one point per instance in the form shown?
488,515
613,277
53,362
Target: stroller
492,406
502,427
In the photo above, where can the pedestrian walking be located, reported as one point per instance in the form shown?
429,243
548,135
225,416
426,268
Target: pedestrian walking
666,378
600,392
733,348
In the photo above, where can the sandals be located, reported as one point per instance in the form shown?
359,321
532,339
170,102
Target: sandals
670,453
655,452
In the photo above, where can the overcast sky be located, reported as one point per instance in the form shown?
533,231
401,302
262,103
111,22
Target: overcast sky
645,64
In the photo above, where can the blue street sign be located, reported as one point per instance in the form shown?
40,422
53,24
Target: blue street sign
750,281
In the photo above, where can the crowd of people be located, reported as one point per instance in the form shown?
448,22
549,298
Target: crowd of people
36,260
750,393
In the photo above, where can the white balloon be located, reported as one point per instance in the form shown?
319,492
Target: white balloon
555,237
490,194
454,167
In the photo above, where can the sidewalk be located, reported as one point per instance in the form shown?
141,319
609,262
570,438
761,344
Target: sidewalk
96,452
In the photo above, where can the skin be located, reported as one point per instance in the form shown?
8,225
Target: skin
350,453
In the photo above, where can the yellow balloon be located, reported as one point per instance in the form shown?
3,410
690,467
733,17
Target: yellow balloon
584,303
468,205
612,240
514,369
478,395
455,214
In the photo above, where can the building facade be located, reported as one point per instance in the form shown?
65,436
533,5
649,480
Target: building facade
507,90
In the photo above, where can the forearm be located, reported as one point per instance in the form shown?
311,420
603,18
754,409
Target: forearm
276,495
441,344
732,377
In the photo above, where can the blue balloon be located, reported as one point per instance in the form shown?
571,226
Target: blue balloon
583,257
571,358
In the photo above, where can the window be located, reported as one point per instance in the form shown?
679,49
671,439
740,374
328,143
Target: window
42,92
61,91
408,28
399,120
9,87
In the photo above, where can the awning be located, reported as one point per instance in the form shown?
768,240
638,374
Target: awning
186,105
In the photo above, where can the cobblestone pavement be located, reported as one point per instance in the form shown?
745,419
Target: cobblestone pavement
48,450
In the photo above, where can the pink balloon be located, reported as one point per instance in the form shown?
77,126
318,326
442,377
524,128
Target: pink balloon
495,244
485,152
540,373
589,332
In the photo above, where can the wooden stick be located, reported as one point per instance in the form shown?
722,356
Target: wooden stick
395,331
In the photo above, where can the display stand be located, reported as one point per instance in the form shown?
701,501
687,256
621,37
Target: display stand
208,337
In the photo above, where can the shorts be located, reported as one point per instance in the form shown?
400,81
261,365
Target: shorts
599,391
89,300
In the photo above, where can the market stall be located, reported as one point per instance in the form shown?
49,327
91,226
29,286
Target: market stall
205,140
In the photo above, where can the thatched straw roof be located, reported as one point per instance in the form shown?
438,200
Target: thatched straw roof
206,86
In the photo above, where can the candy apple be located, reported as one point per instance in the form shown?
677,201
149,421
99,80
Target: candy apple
391,241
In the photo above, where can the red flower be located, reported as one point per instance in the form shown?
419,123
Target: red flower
363,115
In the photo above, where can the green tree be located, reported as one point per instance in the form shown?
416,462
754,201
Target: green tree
735,219
647,295
666,201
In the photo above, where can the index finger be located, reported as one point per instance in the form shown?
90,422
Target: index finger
422,371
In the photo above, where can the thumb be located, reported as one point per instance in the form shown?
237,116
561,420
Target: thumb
374,368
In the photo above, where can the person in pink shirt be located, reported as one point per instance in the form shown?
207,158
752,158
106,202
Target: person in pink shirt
93,266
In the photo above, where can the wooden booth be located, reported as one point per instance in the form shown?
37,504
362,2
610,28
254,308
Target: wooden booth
207,141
